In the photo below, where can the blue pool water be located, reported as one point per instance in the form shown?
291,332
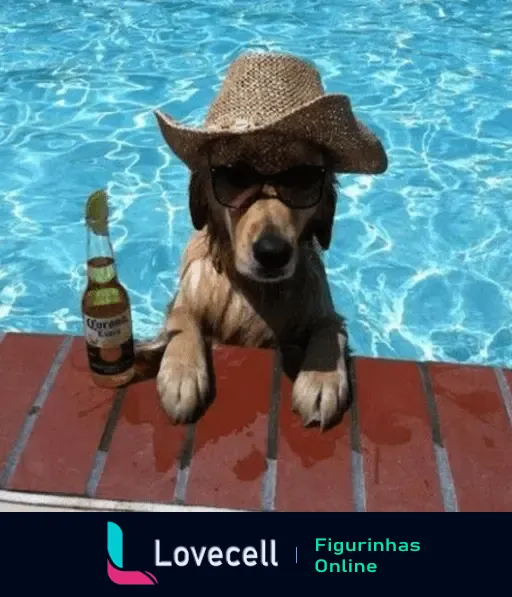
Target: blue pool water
421,263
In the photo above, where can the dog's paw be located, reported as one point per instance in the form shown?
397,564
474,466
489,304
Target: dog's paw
183,383
320,397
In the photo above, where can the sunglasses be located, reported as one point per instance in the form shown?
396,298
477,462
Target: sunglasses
298,187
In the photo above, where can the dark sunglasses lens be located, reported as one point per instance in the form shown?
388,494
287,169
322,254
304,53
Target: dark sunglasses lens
301,177
301,186
230,181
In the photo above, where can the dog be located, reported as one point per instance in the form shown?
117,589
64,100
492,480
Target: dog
262,200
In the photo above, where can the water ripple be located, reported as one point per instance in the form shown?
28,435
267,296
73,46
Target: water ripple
420,264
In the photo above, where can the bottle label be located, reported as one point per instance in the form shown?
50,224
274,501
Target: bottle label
101,275
109,343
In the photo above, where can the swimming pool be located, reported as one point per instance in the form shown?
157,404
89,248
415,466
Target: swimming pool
421,263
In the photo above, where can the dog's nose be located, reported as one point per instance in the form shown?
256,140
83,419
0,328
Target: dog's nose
272,251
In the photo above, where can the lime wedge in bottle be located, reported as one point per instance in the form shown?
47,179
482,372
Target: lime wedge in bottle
96,212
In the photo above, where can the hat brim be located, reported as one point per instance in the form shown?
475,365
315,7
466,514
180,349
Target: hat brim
327,121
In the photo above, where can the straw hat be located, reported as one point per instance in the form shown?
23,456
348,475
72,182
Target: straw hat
272,92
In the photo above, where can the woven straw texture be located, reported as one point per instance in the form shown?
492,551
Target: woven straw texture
284,94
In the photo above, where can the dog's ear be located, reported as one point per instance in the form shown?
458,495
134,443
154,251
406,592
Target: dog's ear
323,220
198,201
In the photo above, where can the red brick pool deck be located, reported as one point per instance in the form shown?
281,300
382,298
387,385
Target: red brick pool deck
423,437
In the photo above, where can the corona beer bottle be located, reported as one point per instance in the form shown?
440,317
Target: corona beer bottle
105,304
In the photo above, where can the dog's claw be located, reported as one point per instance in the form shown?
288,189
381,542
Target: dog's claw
320,397
183,388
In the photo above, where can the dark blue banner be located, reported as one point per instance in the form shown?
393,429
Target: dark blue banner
234,552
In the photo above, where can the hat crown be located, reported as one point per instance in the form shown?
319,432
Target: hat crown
262,87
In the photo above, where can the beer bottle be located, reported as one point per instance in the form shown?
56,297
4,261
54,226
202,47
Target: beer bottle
105,304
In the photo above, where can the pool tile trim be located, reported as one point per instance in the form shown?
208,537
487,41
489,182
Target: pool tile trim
97,504
506,393
269,481
444,472
44,391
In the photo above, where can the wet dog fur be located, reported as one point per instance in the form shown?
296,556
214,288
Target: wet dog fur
222,299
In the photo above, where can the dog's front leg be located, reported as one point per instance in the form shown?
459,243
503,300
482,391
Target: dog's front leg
321,389
183,377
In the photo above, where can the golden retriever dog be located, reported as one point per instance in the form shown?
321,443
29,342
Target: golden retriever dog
262,204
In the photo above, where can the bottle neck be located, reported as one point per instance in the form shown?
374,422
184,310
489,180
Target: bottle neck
101,267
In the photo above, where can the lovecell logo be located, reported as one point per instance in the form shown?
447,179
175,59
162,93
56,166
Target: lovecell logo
115,570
